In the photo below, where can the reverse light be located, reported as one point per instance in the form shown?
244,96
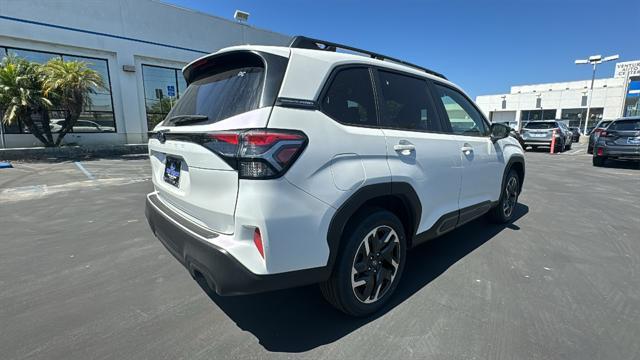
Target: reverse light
257,241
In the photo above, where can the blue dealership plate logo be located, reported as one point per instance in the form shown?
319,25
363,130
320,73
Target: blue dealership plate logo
172,171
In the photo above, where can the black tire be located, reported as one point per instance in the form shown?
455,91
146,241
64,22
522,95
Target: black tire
599,161
568,147
589,149
559,147
379,275
503,212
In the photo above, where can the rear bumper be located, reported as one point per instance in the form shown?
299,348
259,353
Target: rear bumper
627,152
223,273
530,142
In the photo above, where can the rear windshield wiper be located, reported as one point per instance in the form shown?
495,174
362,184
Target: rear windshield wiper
186,119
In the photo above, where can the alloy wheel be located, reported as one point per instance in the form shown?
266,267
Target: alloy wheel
375,264
510,196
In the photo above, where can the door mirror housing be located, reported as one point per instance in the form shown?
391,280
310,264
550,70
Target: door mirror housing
499,131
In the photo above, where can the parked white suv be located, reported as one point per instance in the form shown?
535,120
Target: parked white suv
287,166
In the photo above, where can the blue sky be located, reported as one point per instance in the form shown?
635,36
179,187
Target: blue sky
485,46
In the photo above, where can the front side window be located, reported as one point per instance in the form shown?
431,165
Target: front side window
465,119
406,103
349,99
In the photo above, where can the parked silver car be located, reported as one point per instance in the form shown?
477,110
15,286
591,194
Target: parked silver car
540,133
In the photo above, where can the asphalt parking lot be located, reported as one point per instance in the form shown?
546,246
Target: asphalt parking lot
82,277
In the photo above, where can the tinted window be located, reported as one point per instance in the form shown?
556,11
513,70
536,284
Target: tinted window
349,99
626,125
465,119
406,103
540,125
221,95
604,124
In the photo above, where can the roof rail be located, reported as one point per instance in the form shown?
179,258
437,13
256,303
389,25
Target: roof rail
303,42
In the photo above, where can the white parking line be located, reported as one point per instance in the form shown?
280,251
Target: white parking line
85,171
576,152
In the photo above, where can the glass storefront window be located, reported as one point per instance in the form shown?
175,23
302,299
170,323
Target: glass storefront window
101,100
575,117
34,56
632,100
97,118
533,115
162,88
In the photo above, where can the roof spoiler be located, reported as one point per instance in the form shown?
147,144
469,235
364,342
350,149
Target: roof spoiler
303,42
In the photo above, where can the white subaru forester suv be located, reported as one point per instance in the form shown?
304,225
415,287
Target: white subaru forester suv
287,166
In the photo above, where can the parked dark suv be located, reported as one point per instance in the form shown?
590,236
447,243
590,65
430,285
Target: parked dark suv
595,132
620,140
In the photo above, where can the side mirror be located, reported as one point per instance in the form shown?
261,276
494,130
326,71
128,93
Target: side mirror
499,131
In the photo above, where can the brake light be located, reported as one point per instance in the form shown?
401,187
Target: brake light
257,241
600,151
258,154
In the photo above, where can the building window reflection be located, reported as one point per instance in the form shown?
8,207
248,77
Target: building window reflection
162,88
97,117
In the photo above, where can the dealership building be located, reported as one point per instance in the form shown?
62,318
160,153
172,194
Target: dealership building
612,98
138,47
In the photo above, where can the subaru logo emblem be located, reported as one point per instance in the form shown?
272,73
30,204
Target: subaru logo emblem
160,135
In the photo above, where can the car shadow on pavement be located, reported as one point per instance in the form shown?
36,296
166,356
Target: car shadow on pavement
297,320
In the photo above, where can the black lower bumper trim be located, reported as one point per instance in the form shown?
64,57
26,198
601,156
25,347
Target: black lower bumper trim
222,272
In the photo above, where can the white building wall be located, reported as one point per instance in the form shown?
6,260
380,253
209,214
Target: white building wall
607,93
125,33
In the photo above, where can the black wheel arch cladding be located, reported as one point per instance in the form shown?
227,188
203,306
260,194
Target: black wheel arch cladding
384,195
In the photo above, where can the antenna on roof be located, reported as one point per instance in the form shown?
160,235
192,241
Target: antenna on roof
303,42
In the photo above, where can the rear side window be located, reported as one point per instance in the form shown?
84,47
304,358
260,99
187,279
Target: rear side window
465,119
626,125
349,98
406,103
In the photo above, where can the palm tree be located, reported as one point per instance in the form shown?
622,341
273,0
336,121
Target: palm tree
69,85
21,96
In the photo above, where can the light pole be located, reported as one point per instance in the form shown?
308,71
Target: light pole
593,60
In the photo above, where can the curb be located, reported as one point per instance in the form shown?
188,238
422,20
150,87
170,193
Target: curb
72,152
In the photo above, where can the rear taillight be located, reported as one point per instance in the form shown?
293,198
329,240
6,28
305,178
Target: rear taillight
258,154
600,152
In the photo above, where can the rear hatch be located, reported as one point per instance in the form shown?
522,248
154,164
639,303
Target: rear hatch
623,134
539,130
192,149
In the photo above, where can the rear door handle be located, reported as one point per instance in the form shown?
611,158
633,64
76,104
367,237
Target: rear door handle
466,149
404,148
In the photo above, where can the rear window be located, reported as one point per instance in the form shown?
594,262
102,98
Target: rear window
222,91
626,125
222,95
541,125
